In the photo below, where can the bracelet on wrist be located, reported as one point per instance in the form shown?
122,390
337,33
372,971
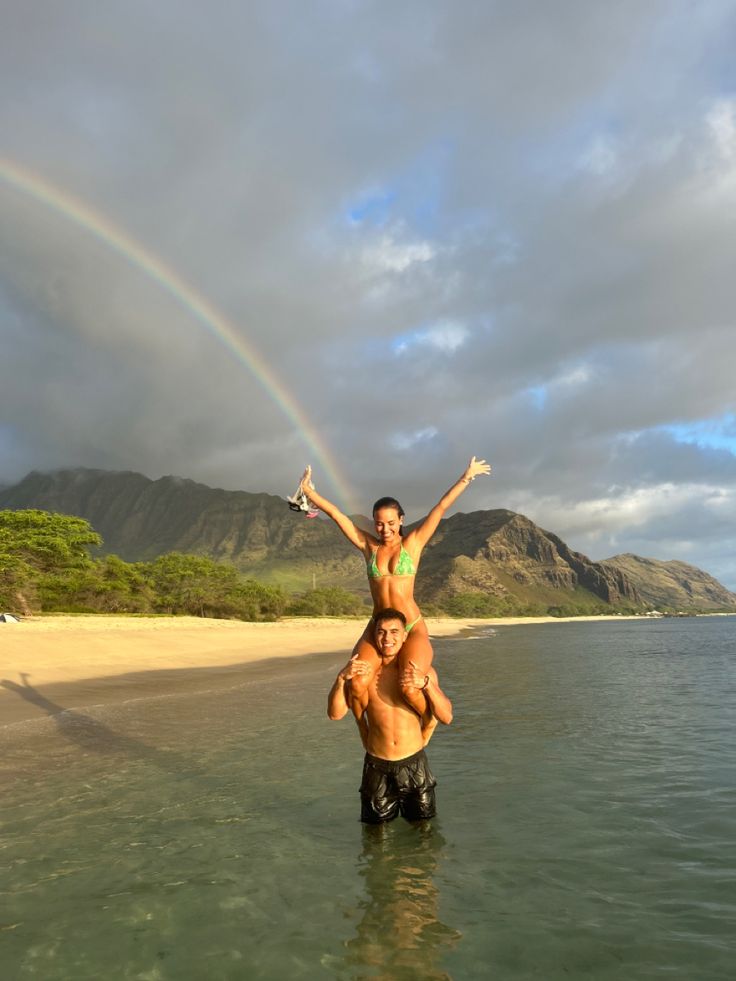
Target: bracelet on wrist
426,682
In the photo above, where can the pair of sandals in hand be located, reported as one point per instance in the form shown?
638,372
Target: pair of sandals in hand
300,502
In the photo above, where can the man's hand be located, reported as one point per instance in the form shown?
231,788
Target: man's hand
412,677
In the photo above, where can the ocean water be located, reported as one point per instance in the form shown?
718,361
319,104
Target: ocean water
586,826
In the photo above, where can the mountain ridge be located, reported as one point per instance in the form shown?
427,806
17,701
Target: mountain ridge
670,583
483,562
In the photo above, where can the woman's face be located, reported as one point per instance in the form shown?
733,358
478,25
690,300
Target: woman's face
388,524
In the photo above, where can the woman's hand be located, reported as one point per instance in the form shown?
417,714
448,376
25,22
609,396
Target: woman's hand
306,481
421,535
355,668
475,469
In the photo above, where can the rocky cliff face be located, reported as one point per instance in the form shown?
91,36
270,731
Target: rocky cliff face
495,553
506,554
672,585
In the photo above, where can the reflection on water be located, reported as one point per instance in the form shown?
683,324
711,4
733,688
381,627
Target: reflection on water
400,934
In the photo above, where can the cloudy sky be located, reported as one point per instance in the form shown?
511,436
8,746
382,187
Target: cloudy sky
381,237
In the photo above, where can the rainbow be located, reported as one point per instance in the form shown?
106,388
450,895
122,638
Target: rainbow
198,306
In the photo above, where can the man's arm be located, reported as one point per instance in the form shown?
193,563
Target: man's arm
361,719
429,724
439,704
338,705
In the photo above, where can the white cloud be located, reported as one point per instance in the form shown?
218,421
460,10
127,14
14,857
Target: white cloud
718,178
601,524
407,441
600,157
721,123
572,378
446,337
563,383
388,255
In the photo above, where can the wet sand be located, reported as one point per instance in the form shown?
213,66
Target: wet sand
83,660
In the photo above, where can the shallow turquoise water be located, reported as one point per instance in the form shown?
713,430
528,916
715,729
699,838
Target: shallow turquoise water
587,826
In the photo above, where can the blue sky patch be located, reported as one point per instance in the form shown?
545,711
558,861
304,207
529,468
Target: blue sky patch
538,395
372,208
717,434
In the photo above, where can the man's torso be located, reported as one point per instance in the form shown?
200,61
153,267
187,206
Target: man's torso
394,730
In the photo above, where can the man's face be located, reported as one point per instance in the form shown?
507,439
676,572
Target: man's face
390,635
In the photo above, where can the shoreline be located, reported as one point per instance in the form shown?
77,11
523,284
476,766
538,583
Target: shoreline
94,659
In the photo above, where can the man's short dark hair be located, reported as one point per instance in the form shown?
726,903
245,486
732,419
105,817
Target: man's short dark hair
388,614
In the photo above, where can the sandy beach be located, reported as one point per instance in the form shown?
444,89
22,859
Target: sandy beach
83,659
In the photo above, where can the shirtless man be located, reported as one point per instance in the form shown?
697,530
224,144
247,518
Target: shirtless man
396,775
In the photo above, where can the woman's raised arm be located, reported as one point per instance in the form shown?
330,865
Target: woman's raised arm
428,527
356,536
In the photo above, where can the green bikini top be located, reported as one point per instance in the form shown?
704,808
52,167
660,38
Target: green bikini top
404,567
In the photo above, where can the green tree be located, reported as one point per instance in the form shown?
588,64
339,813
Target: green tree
201,587
45,564
47,541
252,600
327,601
122,586
17,584
478,605
38,544
110,585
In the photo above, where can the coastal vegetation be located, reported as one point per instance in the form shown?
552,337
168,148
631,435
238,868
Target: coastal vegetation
46,566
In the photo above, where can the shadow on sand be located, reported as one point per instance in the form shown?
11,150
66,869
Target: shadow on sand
93,736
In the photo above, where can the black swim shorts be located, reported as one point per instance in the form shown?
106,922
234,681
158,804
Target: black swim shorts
393,787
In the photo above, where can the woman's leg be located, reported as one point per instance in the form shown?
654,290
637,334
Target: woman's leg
417,649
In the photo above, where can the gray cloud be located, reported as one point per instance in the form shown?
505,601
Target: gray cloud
443,228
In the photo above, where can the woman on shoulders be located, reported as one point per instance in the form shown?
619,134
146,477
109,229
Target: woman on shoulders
392,560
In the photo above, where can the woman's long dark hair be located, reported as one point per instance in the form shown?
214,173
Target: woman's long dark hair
389,502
